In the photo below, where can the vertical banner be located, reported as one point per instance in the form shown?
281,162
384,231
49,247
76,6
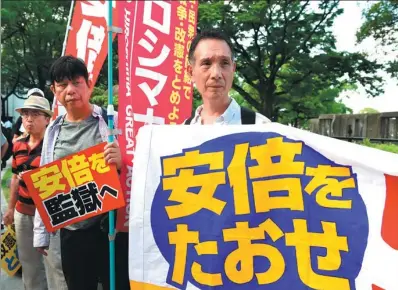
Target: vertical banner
87,38
154,86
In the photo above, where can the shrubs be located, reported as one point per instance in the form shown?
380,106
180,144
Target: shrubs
389,147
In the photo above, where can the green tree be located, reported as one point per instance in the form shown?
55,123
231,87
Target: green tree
299,111
368,111
279,44
32,37
32,34
381,23
99,97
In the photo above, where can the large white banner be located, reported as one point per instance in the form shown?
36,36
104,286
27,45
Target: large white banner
255,207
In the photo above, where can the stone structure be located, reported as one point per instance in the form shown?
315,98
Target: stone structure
377,125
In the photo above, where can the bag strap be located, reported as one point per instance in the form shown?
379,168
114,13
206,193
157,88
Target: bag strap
188,121
248,116
104,115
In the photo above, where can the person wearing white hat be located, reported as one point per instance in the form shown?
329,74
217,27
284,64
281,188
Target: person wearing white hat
18,129
36,115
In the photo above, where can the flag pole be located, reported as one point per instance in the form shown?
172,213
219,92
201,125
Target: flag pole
55,102
68,27
110,112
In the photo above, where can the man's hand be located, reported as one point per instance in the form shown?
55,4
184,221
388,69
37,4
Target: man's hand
112,154
19,176
8,217
42,250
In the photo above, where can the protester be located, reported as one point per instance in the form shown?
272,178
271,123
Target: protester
212,68
36,114
4,145
18,129
84,245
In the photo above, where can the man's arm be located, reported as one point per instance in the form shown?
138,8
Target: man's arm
9,215
41,238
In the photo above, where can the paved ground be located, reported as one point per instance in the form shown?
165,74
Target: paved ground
6,282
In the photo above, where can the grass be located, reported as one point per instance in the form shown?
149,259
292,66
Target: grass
5,187
389,147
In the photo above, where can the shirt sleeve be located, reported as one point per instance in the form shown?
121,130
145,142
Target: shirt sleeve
41,238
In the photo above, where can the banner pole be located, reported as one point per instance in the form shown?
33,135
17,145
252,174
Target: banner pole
110,112
55,102
68,27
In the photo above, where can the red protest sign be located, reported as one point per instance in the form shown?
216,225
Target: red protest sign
75,188
154,86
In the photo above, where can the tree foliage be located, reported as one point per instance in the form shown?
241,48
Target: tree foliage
99,97
288,66
368,111
33,33
32,37
381,23
280,44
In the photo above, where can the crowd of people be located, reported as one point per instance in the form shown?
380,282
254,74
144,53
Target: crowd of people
76,257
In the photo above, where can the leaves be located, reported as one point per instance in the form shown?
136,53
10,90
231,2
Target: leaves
368,111
32,37
381,23
281,44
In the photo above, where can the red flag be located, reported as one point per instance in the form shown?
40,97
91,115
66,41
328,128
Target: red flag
154,86
88,37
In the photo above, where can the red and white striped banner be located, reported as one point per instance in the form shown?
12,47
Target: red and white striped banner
154,86
88,37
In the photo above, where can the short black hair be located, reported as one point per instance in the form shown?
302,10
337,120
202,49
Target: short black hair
209,34
69,67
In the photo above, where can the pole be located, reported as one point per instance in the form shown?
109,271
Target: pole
67,27
55,106
110,112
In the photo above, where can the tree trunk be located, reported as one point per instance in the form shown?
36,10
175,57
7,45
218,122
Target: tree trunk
296,122
41,78
267,91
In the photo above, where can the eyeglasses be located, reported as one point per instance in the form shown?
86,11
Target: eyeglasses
34,114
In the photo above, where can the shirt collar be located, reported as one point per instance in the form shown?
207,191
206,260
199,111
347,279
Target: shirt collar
97,111
226,117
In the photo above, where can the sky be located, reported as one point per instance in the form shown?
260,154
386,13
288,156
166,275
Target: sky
344,29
